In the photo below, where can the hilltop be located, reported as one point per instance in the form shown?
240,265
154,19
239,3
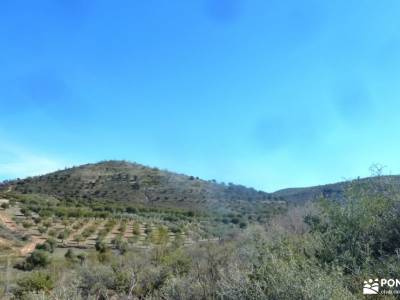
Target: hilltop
121,181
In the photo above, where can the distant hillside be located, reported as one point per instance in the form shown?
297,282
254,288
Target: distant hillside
150,187
335,191
138,184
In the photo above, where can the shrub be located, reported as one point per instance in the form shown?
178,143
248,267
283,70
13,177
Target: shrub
42,229
242,225
27,224
48,246
364,227
121,245
136,229
81,257
35,282
37,259
63,234
79,238
52,233
100,246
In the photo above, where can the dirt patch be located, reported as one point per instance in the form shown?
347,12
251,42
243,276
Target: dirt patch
30,247
5,243
12,226
8,222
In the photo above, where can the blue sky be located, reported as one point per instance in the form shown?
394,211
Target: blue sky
267,93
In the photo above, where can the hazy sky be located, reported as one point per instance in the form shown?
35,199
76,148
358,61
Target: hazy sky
265,93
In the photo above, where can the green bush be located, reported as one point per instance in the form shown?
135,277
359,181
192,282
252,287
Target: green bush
37,259
121,245
48,246
34,282
100,246
363,228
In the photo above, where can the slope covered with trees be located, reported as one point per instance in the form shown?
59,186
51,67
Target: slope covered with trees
132,183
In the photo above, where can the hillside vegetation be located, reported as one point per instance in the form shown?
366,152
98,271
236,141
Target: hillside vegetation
61,239
318,250
120,181
334,191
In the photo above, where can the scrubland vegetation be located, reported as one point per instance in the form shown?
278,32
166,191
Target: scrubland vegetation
320,249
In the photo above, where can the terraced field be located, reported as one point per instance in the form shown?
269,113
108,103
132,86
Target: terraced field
83,233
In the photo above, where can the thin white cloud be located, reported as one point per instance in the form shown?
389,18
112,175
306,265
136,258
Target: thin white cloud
17,161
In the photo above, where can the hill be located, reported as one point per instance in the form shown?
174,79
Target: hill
121,181
120,203
335,191
127,229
